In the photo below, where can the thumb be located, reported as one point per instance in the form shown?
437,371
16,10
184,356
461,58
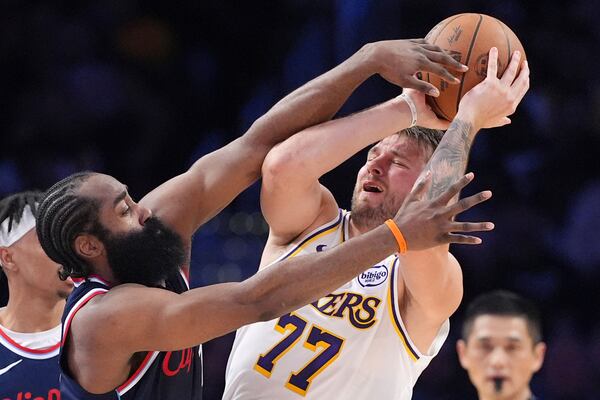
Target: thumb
422,86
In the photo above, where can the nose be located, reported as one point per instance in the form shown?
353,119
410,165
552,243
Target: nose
375,167
498,357
144,213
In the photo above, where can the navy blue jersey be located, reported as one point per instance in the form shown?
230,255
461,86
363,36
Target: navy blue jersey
27,373
161,375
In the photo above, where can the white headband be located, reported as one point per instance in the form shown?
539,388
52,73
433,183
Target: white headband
18,230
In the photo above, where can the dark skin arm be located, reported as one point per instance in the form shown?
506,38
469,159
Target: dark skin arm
189,200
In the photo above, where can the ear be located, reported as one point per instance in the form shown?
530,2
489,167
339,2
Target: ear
6,259
461,350
88,246
539,352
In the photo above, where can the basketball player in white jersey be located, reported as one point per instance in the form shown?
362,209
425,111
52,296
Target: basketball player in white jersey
372,337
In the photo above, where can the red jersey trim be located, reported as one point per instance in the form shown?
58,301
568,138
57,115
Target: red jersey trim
82,302
138,374
33,352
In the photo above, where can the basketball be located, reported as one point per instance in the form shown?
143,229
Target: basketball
468,38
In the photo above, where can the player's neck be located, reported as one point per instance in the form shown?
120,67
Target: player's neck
27,313
355,229
525,394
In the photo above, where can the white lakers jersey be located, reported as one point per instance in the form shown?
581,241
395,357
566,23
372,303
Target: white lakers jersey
350,344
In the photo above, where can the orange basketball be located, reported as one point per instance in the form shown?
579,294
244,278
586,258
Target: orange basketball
468,38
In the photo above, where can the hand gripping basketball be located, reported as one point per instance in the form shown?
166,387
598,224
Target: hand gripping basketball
399,60
491,102
426,223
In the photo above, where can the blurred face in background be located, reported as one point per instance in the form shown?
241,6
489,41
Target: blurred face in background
30,269
500,357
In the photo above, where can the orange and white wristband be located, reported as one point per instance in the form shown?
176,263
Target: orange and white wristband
402,246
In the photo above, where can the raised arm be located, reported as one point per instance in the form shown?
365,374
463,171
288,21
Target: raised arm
292,199
432,279
190,199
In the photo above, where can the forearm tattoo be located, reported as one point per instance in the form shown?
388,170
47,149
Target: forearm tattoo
449,160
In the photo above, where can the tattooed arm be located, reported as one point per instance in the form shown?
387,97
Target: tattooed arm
431,284
449,161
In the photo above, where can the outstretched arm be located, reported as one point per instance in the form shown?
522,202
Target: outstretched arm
432,279
190,199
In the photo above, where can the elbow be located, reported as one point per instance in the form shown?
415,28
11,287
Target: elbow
279,166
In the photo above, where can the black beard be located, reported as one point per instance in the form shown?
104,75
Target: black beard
146,257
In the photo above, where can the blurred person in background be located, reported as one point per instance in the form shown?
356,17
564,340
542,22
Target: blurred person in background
393,319
501,346
123,254
30,322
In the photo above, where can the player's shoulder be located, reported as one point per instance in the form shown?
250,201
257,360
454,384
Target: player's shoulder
278,248
106,320
327,211
101,305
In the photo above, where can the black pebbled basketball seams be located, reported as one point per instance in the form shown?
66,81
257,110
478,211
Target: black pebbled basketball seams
437,108
462,81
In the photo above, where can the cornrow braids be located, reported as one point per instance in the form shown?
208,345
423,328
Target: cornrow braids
12,207
62,215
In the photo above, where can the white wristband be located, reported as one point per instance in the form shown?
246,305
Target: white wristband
413,108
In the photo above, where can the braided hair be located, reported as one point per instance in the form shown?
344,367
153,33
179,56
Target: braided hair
12,208
62,216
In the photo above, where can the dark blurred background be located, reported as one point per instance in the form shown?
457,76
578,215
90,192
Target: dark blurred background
140,90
